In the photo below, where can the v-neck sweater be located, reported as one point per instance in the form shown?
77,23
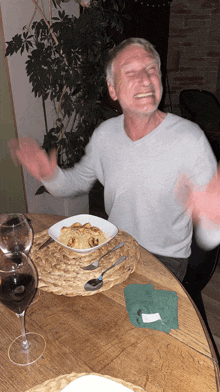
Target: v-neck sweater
139,179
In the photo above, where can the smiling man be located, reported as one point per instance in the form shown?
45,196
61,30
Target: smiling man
139,157
135,81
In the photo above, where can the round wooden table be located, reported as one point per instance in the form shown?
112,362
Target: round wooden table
94,334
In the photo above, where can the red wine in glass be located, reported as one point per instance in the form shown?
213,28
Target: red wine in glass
17,291
18,285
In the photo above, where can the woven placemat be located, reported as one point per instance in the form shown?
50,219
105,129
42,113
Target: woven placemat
57,384
60,269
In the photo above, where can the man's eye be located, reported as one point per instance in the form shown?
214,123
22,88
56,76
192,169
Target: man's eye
152,69
131,73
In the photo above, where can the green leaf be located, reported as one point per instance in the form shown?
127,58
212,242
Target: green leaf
76,63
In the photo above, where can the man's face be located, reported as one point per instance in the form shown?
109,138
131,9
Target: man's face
137,81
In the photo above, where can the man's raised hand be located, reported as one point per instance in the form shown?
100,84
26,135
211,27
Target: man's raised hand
27,152
200,203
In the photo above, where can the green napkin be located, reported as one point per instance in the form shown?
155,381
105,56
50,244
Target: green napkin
149,308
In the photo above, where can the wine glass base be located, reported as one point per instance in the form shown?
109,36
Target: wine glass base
19,356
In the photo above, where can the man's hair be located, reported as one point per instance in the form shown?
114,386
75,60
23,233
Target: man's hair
113,53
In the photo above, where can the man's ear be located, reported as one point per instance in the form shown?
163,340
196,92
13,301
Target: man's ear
112,91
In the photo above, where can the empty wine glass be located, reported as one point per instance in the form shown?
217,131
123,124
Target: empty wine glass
18,284
16,234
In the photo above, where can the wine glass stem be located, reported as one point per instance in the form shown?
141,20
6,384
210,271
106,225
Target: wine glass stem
24,337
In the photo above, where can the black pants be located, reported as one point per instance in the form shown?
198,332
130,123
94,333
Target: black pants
176,265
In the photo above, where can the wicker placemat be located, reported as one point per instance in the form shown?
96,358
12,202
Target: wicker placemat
57,384
60,269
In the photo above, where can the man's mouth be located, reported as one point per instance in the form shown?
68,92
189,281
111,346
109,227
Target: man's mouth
143,95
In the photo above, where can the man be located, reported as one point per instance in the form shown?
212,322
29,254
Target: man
147,160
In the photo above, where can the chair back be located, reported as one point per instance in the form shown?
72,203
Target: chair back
203,108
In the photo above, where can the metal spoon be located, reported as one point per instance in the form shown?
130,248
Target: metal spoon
47,242
95,264
95,284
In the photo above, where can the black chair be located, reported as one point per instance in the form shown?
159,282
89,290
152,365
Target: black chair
203,108
96,201
201,267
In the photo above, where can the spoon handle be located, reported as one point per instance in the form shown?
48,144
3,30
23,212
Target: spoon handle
112,266
95,264
111,250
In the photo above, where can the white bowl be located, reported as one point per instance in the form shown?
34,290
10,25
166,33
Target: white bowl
107,227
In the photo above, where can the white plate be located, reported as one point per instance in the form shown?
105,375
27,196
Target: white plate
92,383
107,227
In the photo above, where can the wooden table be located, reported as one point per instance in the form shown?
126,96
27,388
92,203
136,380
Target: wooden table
93,334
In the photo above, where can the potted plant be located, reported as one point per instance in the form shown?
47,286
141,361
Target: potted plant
66,57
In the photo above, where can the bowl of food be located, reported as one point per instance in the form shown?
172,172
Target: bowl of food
83,233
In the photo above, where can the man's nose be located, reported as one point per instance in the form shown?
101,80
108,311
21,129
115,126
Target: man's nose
145,77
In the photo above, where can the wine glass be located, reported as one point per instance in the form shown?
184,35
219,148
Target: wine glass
18,284
16,234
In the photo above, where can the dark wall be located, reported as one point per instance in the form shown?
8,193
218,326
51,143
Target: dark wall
149,22
149,19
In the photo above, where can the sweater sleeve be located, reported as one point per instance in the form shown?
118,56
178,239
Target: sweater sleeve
207,234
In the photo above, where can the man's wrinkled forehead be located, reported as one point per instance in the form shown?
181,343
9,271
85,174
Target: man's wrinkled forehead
130,54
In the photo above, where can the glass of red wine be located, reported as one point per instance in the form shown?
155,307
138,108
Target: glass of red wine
16,235
18,285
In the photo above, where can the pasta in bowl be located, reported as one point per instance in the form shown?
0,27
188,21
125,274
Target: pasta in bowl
83,233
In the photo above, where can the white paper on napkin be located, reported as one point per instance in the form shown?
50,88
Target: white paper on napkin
92,383
150,318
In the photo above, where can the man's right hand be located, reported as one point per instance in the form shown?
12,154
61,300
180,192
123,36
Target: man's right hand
27,152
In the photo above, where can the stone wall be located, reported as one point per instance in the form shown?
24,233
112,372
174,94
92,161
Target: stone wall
193,49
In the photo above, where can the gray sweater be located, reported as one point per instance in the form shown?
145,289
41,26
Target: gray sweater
139,179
